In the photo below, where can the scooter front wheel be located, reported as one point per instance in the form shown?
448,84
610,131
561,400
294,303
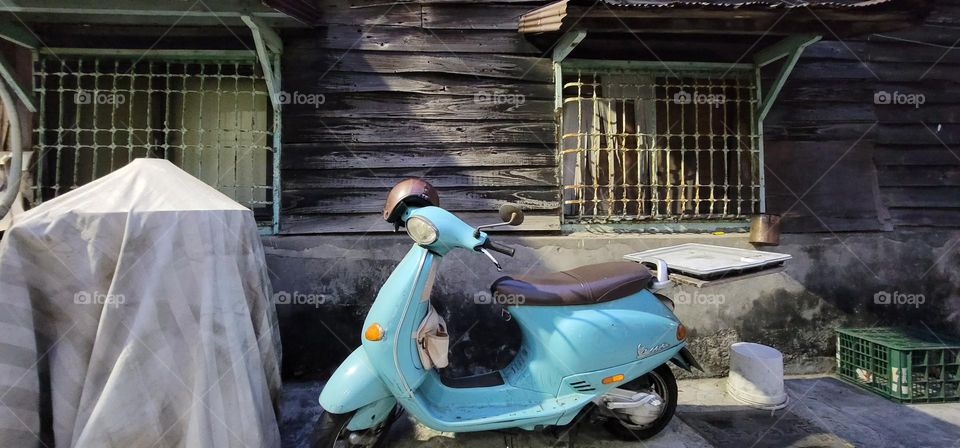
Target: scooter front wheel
661,382
332,432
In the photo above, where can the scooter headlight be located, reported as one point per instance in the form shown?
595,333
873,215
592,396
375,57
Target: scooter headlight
421,230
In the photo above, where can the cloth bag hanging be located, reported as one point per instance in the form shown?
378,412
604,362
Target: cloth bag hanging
17,208
433,341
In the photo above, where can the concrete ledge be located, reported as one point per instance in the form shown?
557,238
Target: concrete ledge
831,282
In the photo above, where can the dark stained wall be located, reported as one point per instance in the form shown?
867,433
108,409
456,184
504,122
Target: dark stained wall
444,91
825,108
431,89
859,165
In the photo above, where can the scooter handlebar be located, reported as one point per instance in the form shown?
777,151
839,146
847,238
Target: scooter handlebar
497,247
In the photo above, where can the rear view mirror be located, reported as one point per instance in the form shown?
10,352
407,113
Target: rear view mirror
511,214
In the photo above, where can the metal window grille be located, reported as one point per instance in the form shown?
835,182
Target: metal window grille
659,144
211,117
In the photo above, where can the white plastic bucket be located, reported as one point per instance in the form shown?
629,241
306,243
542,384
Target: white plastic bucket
756,376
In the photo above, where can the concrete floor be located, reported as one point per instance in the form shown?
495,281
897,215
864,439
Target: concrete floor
822,412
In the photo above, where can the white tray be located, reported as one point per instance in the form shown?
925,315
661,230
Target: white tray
706,260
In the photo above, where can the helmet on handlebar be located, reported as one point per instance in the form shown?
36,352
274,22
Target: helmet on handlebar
407,192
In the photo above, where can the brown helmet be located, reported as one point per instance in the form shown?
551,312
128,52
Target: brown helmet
411,191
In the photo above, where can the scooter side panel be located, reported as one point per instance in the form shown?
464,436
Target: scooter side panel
630,372
594,379
354,385
400,320
567,340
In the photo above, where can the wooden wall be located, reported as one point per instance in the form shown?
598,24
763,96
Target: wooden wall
409,91
402,83
861,166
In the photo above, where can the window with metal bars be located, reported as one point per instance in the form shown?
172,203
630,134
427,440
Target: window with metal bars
659,144
211,117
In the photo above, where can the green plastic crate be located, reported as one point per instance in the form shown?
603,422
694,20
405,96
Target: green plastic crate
904,365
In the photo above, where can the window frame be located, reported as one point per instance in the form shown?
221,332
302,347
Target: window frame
196,56
676,223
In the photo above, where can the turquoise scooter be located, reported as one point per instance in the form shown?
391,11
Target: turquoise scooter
596,341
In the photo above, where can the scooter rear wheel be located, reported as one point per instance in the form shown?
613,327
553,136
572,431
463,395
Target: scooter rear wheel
662,381
332,432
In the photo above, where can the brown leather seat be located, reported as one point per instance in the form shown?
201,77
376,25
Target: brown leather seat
585,285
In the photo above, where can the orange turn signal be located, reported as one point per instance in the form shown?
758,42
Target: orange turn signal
374,332
612,379
681,332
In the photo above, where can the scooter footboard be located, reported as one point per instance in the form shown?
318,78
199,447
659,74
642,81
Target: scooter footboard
353,386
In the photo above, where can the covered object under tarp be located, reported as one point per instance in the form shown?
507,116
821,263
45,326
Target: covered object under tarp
136,311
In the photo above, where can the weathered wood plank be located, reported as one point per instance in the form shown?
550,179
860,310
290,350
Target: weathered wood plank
935,156
405,13
324,201
325,157
427,84
933,114
313,130
911,217
889,51
945,15
828,71
919,134
369,14
473,16
941,36
920,176
865,112
863,91
357,4
654,46
802,221
838,178
887,134
681,14
657,20
792,112
374,223
842,91
526,68
394,38
532,4
921,197
481,106
776,131
439,177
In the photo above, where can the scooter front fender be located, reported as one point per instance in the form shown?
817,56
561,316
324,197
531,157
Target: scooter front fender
354,385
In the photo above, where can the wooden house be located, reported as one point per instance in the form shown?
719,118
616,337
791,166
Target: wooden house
618,125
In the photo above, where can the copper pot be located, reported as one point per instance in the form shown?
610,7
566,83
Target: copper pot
765,229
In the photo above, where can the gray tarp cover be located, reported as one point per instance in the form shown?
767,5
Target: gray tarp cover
136,311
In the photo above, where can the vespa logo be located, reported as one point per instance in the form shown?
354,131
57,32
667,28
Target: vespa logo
643,352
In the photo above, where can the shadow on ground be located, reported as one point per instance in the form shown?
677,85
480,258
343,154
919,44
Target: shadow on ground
822,412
